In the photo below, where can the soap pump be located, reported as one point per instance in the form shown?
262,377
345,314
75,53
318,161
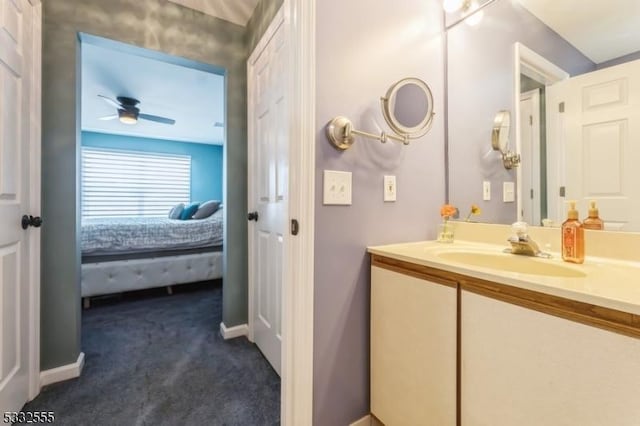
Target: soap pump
572,237
593,221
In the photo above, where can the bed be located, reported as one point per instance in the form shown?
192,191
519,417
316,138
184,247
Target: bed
133,253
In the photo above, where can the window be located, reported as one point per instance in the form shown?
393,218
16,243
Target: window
126,183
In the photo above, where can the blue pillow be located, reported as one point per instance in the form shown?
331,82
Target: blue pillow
189,211
176,211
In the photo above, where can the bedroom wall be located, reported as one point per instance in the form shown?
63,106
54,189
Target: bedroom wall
153,24
206,160
361,51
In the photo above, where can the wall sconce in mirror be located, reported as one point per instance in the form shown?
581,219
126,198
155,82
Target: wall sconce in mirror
469,11
500,139
407,108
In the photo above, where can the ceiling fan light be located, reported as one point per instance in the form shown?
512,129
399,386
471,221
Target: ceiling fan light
127,117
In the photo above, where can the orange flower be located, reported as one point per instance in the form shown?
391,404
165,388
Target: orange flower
447,210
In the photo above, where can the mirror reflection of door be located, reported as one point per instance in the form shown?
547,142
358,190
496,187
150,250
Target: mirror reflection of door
532,155
599,129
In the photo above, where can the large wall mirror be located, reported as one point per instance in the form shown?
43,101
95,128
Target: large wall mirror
569,73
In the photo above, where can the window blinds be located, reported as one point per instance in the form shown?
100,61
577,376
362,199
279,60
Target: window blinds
127,183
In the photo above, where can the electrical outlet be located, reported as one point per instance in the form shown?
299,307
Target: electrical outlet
486,190
508,192
389,189
336,188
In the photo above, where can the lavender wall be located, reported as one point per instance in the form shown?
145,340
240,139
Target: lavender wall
480,82
362,48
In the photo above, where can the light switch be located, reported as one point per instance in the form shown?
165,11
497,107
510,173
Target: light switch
508,192
389,189
336,188
486,190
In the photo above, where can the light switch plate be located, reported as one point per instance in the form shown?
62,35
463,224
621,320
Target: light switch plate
486,190
336,188
390,188
508,192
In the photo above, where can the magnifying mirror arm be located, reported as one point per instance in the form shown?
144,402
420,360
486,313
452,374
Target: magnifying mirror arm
341,133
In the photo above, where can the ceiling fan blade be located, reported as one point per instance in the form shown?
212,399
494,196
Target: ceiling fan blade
111,102
108,117
157,119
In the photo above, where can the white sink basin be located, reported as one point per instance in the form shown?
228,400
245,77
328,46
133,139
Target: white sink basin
512,263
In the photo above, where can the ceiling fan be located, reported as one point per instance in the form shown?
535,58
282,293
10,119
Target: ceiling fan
129,113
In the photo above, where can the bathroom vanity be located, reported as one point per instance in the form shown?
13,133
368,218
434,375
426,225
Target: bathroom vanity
465,334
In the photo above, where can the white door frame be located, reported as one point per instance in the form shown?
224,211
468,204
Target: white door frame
297,355
35,198
533,157
531,64
296,399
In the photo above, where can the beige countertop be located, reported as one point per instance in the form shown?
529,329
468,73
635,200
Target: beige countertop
606,282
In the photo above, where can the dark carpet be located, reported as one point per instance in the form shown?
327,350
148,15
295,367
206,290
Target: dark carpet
161,361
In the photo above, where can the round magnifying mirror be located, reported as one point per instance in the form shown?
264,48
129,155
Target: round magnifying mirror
500,132
408,108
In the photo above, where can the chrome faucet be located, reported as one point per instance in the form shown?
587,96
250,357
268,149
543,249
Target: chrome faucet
522,244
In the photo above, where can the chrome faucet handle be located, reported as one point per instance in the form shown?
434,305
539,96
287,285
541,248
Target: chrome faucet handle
520,241
520,230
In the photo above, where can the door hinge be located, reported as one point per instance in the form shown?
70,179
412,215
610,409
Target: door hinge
531,120
561,107
562,191
532,194
295,227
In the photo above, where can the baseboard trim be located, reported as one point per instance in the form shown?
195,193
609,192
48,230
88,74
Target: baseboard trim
365,421
233,332
62,373
368,420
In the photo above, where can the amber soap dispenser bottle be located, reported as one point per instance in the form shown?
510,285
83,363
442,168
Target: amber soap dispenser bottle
572,237
593,221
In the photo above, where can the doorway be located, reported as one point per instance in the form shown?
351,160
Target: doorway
60,342
142,352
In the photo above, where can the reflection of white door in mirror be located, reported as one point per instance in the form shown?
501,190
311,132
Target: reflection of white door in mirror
536,68
531,208
600,130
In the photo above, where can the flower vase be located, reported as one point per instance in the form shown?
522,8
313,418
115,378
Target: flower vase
445,232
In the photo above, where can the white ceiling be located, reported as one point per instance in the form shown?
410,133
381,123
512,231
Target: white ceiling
236,11
192,97
601,29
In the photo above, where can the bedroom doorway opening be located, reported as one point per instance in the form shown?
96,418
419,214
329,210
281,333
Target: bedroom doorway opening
152,170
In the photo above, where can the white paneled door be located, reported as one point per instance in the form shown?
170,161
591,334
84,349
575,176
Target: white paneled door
530,153
599,130
17,74
268,189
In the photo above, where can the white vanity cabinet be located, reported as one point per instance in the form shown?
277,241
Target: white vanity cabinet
413,349
527,368
448,348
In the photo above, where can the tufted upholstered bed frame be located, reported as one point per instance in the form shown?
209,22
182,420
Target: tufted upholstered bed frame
126,254
137,274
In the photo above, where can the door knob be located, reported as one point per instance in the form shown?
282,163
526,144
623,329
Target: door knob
253,216
28,221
